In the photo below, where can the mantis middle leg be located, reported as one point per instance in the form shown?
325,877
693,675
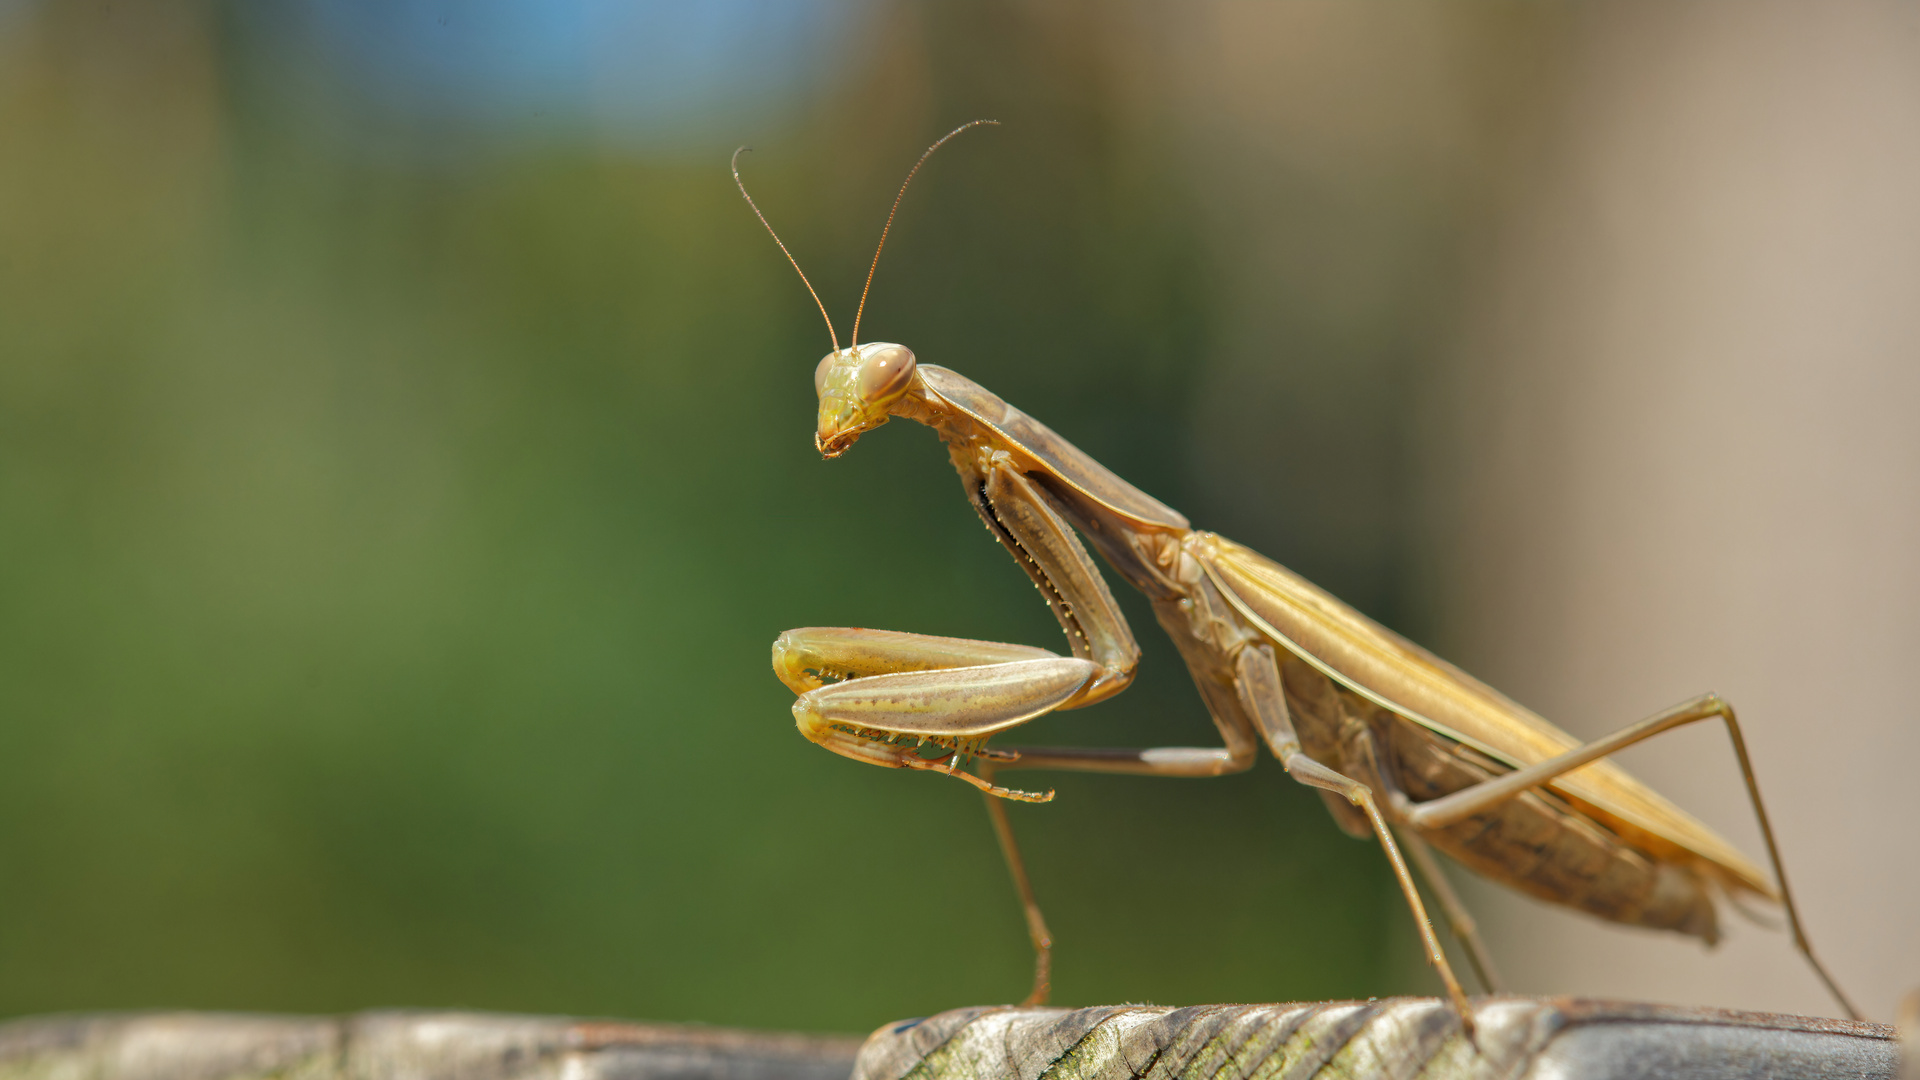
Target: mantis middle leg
1180,761
1461,922
1257,678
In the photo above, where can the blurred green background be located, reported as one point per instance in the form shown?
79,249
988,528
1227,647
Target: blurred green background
405,465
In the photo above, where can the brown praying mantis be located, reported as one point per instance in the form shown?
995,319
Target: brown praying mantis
1403,746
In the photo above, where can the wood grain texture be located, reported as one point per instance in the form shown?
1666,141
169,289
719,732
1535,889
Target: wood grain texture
1393,1038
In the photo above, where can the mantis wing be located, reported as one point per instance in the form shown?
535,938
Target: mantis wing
1405,679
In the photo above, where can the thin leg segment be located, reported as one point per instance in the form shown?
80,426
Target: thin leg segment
1465,930
1187,761
1461,805
1163,761
1037,931
1258,680
1313,774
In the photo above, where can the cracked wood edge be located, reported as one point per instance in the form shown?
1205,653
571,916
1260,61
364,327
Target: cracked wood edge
1396,1038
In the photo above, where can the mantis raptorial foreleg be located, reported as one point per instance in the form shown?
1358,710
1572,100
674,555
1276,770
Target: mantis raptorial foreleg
874,695
1040,540
816,656
879,696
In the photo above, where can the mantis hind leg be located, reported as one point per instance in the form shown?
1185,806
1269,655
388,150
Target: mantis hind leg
1461,805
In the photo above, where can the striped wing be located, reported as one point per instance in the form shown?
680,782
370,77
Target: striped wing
1396,674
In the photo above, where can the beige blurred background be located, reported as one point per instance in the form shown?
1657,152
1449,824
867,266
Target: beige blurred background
1671,443
1684,455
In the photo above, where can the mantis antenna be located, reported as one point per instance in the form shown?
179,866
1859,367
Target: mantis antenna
835,338
855,342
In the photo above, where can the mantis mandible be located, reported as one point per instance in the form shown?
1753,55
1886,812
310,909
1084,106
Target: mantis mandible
1404,747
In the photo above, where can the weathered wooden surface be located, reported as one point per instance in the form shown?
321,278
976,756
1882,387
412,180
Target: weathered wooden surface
1396,1038
403,1046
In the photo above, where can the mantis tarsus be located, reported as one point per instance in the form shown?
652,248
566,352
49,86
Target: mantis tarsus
1398,741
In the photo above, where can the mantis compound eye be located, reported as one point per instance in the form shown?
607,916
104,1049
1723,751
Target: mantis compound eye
820,373
885,371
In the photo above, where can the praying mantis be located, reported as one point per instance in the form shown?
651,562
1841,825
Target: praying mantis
1404,748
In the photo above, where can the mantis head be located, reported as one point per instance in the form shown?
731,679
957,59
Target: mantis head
858,387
